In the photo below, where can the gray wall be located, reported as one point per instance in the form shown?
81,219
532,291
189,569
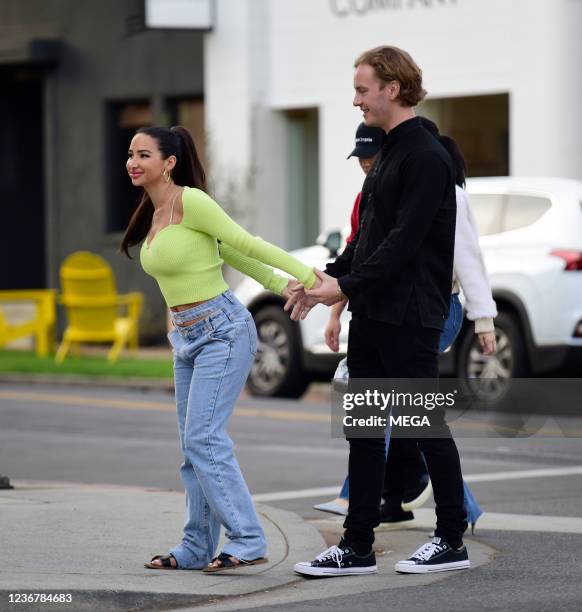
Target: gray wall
106,56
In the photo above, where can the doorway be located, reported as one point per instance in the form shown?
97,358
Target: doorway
302,177
480,125
22,248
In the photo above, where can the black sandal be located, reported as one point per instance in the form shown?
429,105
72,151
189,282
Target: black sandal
166,561
226,563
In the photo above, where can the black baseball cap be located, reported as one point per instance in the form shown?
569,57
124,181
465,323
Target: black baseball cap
369,141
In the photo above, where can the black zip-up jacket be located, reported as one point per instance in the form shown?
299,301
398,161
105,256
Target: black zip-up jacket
406,237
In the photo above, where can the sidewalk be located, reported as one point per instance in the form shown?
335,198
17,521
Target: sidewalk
91,541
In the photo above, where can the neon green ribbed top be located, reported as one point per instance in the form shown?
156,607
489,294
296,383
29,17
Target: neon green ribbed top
186,259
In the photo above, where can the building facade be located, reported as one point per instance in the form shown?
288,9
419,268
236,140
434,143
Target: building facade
267,91
504,77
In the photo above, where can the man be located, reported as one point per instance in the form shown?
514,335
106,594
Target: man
396,274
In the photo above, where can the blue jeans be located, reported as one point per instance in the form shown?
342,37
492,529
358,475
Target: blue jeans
453,324
212,359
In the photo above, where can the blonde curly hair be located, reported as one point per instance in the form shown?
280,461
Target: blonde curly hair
394,64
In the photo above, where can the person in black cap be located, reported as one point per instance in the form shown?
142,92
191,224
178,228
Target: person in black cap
369,141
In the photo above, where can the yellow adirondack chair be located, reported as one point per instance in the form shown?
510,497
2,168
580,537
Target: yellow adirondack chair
93,306
41,326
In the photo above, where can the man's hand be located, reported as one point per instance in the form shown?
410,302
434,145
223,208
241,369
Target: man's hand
325,291
487,342
332,333
328,292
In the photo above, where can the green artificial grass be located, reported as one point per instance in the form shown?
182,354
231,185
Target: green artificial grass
27,362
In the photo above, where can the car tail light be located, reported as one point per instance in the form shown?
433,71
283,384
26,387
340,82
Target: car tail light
572,259
578,330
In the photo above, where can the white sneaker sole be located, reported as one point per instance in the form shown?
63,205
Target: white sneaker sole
332,507
307,570
419,501
405,568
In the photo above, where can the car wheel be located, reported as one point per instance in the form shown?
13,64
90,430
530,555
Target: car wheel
508,361
277,370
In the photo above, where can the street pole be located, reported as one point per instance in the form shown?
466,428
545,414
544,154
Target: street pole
5,482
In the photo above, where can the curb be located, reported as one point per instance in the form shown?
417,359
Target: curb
317,392
105,580
163,384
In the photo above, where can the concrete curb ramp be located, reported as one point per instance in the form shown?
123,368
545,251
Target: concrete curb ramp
92,541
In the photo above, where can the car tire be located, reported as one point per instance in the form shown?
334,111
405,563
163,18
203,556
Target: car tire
277,370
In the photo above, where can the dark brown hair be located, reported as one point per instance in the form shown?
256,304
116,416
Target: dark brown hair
453,149
188,172
394,64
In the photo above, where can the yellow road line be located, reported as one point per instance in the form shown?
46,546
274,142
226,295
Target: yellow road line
261,413
79,400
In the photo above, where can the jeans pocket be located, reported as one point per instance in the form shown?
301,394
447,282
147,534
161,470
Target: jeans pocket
222,329
172,337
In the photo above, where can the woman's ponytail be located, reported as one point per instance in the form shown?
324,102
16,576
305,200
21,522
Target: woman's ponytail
188,171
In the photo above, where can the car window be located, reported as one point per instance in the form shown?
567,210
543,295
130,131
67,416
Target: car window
523,210
487,208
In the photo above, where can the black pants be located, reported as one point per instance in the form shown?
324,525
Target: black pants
405,469
381,350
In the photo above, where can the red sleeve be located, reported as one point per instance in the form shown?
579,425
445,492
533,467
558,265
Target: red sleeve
355,218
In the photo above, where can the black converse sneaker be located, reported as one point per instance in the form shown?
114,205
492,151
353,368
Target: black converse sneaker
338,561
436,556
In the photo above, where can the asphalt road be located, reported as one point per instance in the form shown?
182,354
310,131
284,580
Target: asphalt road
94,435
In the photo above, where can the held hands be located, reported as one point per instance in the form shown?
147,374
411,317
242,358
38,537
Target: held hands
487,342
292,285
325,291
297,301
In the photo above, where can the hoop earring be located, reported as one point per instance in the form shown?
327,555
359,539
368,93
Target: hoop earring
167,176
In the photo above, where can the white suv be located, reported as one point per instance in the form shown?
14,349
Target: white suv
531,238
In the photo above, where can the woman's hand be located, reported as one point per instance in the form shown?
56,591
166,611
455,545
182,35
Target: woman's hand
292,286
298,302
487,342
332,333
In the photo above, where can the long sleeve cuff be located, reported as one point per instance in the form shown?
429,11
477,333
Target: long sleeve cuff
347,284
277,284
484,325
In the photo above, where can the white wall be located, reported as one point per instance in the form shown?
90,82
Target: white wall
279,54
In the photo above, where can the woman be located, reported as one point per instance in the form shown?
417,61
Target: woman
185,237
407,486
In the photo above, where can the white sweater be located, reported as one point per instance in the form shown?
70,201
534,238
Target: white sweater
469,268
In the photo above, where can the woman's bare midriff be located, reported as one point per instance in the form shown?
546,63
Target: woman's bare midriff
182,307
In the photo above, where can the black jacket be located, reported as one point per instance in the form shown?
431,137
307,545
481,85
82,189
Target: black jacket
406,236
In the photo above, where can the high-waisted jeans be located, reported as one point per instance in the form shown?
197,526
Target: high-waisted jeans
212,359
